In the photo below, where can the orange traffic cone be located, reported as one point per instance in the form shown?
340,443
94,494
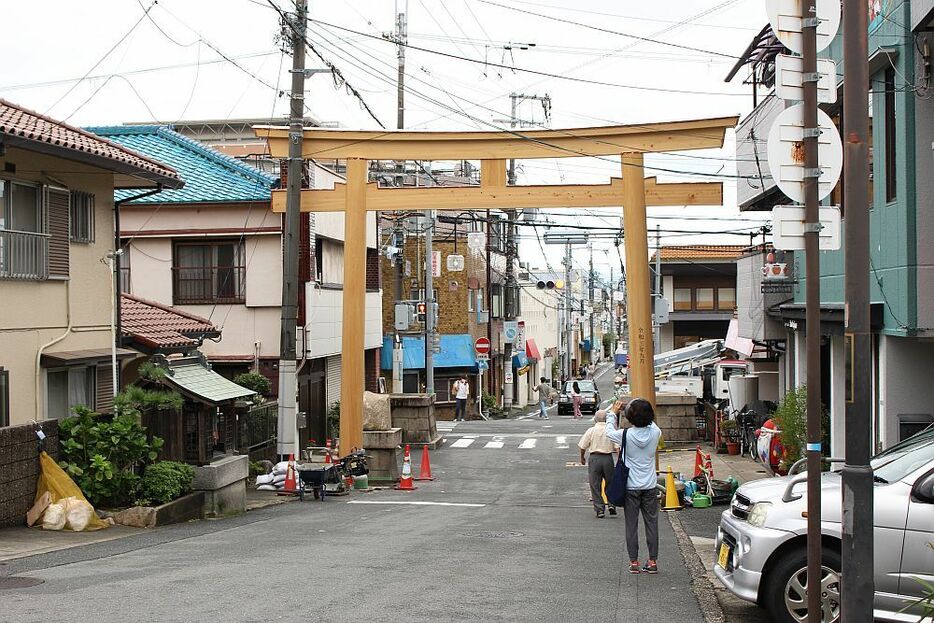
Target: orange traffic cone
290,485
698,462
708,467
425,472
327,452
405,481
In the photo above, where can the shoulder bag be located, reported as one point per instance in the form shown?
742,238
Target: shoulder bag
616,490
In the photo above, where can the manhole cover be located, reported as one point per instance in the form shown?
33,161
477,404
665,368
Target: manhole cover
489,534
19,582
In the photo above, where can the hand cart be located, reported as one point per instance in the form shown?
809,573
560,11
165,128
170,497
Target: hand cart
314,477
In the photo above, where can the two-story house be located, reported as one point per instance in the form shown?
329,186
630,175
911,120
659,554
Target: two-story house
214,249
699,283
57,301
901,216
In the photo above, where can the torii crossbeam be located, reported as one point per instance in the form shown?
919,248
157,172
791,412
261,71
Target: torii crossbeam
633,191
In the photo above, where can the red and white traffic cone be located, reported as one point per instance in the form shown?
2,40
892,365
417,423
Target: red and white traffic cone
327,452
698,462
708,467
425,472
290,487
405,481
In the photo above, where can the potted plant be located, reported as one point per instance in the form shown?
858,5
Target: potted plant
730,433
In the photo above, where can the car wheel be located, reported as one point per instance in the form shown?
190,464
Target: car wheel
786,588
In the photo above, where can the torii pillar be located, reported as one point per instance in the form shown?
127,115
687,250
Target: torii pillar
357,197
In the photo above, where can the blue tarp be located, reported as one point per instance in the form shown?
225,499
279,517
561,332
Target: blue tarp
520,360
456,352
585,345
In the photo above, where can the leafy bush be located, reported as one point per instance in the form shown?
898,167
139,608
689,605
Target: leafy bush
165,481
257,382
103,454
257,468
791,418
334,420
133,400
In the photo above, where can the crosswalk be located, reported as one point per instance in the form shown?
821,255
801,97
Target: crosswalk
499,442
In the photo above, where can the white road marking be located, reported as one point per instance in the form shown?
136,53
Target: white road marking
561,443
462,443
494,444
527,444
409,503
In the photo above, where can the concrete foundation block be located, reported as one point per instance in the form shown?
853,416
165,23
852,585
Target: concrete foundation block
224,485
384,464
382,439
414,414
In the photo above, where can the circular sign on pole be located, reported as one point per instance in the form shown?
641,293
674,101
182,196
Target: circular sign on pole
786,153
785,18
482,346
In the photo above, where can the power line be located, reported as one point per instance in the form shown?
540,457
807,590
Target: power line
607,30
532,71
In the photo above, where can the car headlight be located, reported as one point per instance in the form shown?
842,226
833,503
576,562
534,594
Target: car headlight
758,513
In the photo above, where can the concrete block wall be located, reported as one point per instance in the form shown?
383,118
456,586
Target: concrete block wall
676,416
19,468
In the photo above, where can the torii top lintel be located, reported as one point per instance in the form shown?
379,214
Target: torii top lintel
561,143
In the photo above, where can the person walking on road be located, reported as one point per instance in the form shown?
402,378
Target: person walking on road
642,441
600,468
544,395
576,400
462,392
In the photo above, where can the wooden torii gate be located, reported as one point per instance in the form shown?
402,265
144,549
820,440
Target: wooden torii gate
633,191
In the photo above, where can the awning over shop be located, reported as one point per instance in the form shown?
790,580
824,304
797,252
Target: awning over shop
531,349
456,352
520,360
195,380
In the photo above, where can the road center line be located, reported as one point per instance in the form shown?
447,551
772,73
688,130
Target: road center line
410,503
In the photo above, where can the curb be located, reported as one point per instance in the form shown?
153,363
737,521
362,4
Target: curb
701,586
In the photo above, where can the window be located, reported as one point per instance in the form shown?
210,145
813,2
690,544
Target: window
890,142
33,231
704,299
682,300
82,217
4,397
125,284
497,292
726,298
208,273
68,388
329,261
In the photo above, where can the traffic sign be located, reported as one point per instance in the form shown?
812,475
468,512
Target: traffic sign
789,79
510,330
482,346
788,228
786,153
483,364
483,356
785,18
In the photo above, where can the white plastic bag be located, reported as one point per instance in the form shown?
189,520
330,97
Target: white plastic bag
54,517
78,513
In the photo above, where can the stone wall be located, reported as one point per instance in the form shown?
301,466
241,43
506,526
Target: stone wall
19,468
676,415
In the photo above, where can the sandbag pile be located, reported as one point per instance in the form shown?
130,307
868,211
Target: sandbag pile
274,480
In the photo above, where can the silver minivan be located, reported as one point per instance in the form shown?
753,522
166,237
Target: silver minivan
761,543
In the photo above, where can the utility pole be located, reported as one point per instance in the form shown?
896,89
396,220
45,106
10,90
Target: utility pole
857,587
656,327
809,22
287,436
567,311
612,313
592,340
398,357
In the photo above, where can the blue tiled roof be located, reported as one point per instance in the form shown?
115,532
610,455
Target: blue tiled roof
209,175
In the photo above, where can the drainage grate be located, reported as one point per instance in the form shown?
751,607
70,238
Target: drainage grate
18,582
496,535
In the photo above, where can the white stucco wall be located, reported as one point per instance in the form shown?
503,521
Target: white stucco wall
325,321
905,366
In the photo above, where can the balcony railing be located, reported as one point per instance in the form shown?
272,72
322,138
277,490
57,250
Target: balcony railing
24,255
209,285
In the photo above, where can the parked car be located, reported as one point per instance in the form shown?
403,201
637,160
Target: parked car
761,543
588,390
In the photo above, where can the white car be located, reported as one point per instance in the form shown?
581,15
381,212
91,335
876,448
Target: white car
761,543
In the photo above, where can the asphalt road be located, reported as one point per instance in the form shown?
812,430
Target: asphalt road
505,532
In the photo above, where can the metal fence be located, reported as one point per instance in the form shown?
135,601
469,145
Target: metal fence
258,433
24,255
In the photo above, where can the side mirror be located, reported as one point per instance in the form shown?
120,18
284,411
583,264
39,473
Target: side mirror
923,491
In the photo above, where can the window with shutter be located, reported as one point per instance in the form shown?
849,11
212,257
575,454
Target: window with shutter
105,393
82,217
58,212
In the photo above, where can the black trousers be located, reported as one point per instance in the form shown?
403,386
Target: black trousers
599,470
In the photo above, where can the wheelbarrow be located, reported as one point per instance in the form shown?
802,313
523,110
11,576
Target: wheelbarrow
314,477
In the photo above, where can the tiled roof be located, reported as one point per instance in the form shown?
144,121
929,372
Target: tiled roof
160,327
723,252
210,176
32,129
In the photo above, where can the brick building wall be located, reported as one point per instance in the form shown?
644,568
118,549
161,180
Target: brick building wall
19,468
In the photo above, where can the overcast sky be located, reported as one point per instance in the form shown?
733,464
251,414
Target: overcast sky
167,66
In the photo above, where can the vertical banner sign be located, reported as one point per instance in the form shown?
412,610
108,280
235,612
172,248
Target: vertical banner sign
436,263
520,338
